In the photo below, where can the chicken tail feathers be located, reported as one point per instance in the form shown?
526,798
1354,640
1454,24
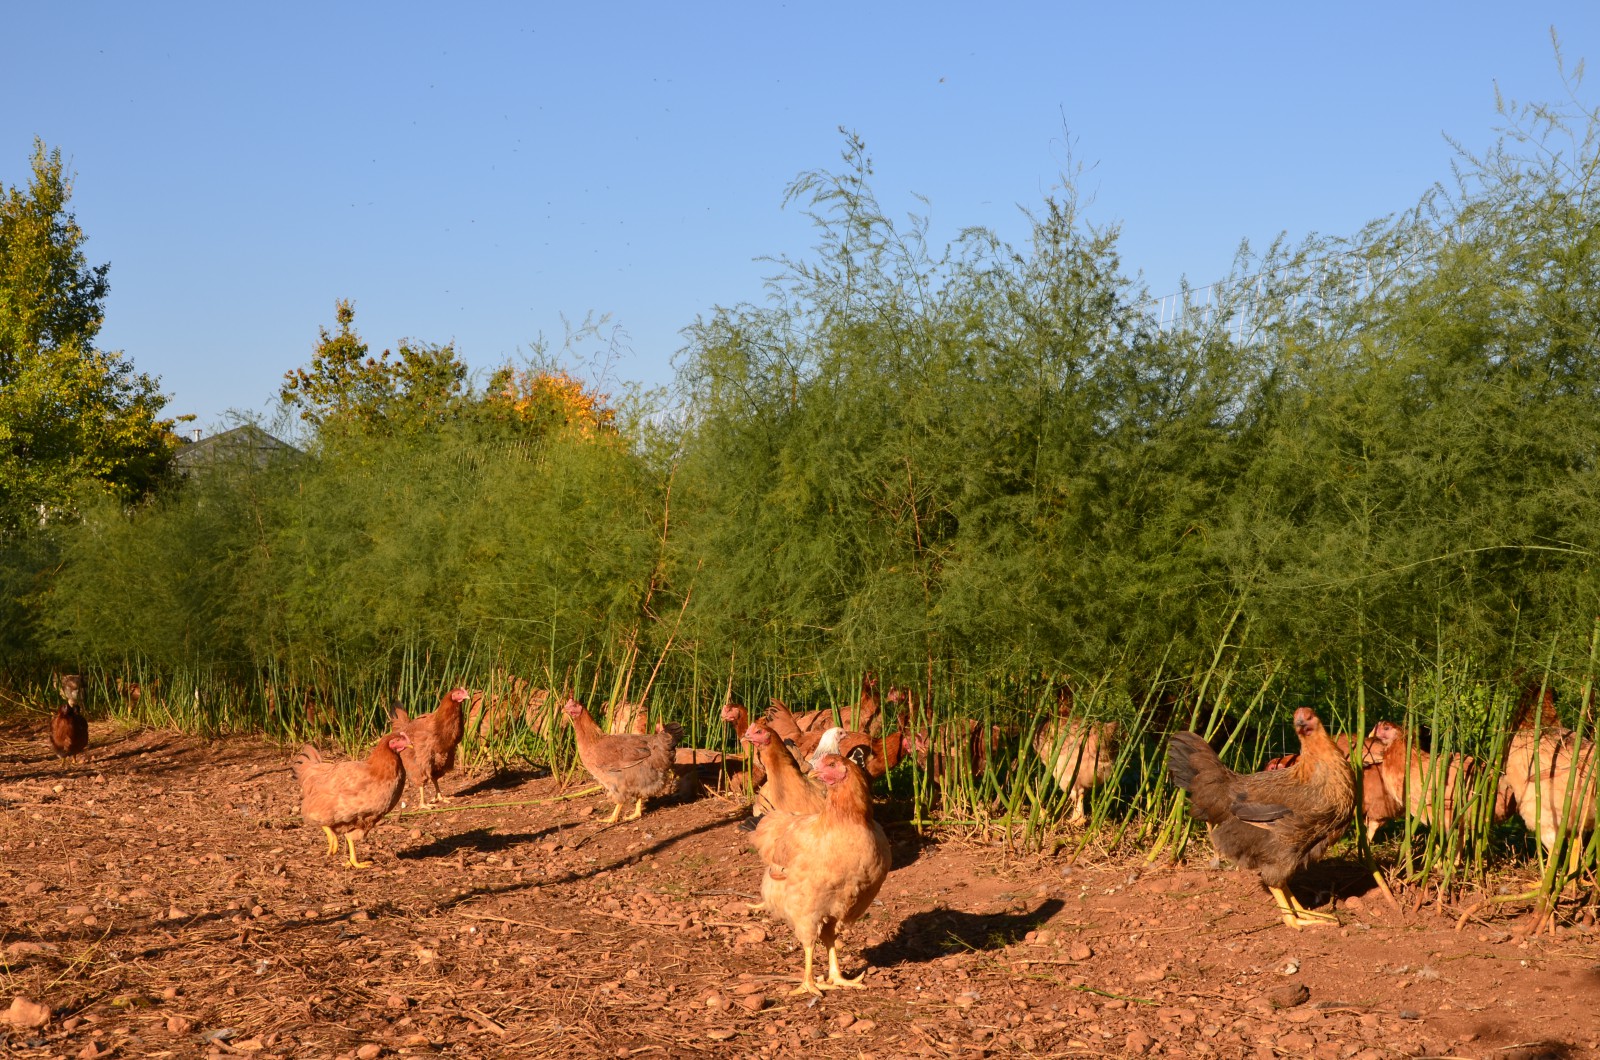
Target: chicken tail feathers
1187,756
306,756
1195,768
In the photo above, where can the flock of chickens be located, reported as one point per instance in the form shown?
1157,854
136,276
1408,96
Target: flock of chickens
824,856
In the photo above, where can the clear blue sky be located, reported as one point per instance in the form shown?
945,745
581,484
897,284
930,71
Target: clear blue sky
471,175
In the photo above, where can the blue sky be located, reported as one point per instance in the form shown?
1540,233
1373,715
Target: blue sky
475,175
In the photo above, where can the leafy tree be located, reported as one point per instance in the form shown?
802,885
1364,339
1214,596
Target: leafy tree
345,388
70,414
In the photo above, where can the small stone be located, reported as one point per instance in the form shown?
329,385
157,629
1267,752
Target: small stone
1289,996
753,1002
170,993
843,1020
77,910
27,1014
862,1027
175,913
1080,951
718,1002
71,1023
89,1052
721,1035
1137,1043
179,1025
370,1050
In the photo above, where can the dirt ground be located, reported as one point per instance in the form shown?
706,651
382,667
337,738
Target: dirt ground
165,901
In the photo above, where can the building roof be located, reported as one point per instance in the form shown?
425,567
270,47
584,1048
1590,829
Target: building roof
246,445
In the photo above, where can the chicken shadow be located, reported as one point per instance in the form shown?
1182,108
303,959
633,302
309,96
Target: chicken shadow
923,937
1331,880
502,780
906,845
482,840
599,869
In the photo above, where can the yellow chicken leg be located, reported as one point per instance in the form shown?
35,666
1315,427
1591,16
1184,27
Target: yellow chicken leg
837,977
615,814
1294,914
333,841
354,864
638,810
1302,911
808,982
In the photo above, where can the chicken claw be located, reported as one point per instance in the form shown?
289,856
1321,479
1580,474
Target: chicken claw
354,864
1296,915
837,977
638,810
615,815
808,982
333,841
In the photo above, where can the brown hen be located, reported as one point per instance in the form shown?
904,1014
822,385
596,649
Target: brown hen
631,767
434,737
350,798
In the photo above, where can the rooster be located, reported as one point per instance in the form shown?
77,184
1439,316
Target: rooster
431,752
823,869
350,797
1275,822
631,767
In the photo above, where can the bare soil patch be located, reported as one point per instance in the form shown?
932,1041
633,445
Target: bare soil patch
164,900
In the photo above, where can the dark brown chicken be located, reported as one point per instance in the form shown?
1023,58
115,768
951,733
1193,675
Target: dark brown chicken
431,752
867,714
350,798
1377,807
823,869
1275,822
631,767
69,732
